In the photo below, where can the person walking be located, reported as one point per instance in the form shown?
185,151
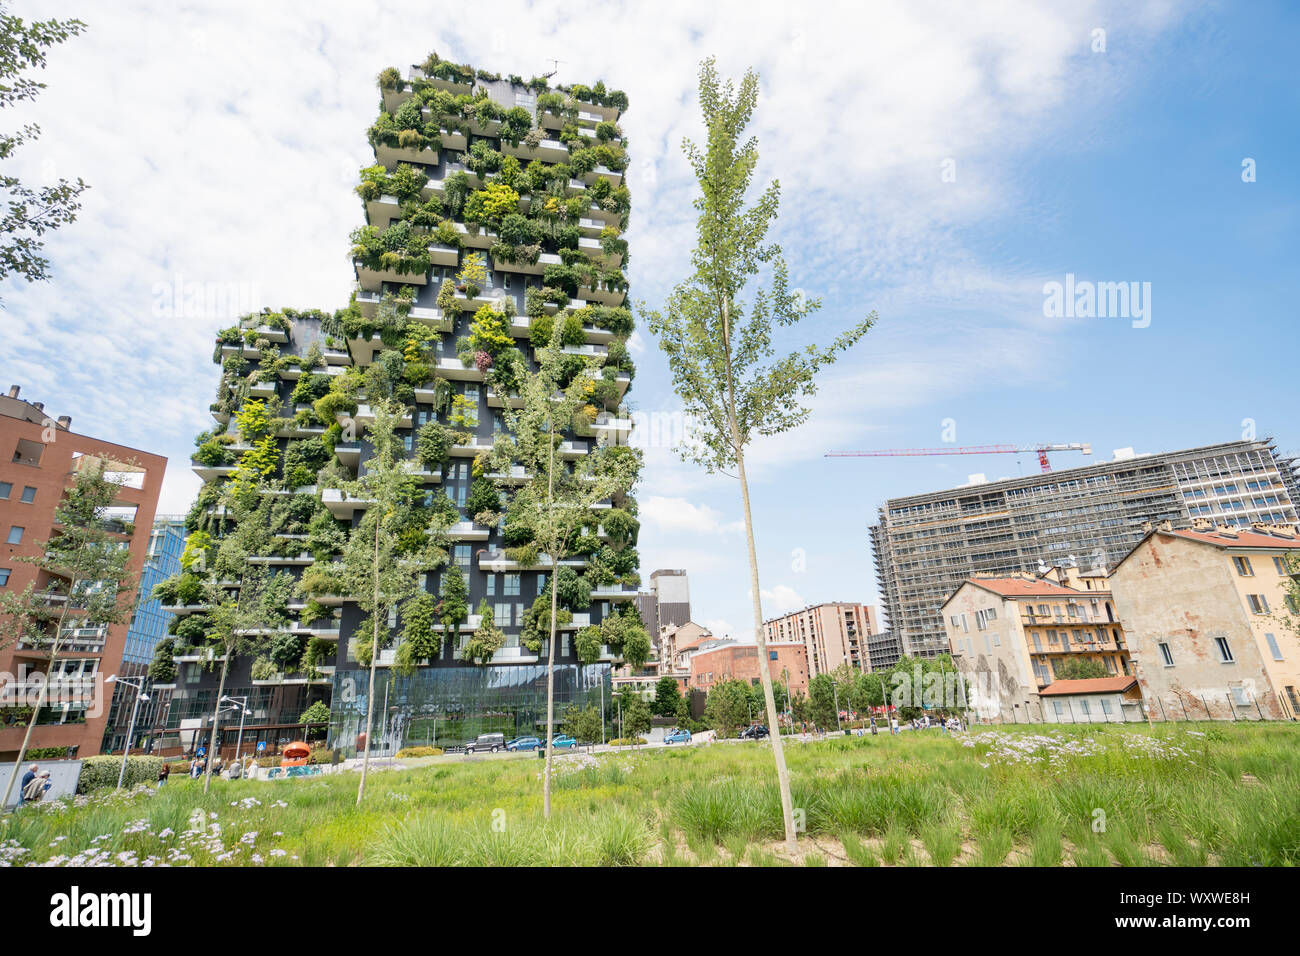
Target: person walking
28,777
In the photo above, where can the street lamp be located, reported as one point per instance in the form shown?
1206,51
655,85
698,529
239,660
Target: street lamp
140,695
240,704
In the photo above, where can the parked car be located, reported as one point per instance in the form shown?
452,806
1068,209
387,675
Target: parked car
756,732
563,742
523,743
677,736
489,742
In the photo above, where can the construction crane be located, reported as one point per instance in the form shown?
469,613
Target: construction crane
1040,450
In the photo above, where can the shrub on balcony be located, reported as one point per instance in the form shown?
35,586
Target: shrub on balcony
162,669
487,638
587,644
515,125
264,669
309,388
433,446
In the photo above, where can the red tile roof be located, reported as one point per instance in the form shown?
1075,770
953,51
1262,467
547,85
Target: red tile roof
1019,587
1095,685
1238,539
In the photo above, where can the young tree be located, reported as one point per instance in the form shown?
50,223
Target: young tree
727,707
30,212
380,567
93,563
821,702
667,696
584,724
555,500
718,348
1080,669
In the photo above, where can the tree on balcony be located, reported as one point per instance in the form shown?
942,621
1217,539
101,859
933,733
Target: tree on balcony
91,560
719,347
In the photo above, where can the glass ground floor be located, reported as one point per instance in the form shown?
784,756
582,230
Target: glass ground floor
449,706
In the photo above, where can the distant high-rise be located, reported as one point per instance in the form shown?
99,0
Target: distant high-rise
672,591
148,627
926,545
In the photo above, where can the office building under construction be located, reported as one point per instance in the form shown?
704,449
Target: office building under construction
926,545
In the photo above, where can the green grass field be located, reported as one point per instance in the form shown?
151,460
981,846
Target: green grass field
1187,795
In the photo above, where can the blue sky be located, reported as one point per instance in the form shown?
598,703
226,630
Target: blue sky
222,144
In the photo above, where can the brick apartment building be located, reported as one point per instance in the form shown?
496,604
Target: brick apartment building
38,457
833,633
714,662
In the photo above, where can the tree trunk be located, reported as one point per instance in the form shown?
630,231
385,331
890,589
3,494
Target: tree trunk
550,649
216,722
764,672
374,661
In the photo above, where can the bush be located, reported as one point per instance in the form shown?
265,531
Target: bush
419,752
627,742
100,773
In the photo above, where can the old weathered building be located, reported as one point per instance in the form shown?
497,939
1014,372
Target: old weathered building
1210,622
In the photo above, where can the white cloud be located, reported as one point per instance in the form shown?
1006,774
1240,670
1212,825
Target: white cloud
780,600
679,516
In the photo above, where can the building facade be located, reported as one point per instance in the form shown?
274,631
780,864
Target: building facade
149,626
1211,622
833,633
926,545
494,210
1013,637
38,457
714,662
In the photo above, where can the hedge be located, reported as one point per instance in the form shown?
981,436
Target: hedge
98,773
419,752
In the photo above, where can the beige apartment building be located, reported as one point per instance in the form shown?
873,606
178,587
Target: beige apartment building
833,633
1011,638
1208,612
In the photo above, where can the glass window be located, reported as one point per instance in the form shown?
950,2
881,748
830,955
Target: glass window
1225,652
501,614
1243,567
5,488
512,585
16,534
1166,655
5,572
1272,641
491,584
29,495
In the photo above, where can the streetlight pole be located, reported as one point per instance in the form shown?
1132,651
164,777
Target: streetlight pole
139,696
242,703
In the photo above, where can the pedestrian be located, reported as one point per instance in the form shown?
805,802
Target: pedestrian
874,729
217,765
163,773
28,777
35,788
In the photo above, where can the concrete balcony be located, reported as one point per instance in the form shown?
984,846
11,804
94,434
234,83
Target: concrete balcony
365,416
572,450
528,268
514,655
468,531
348,453
602,296
612,594
517,475
421,474
607,429
262,390
272,334
548,150
496,400
472,449
455,370
340,505
591,228
587,351
382,211
606,216
475,239
212,472
390,156
297,560
580,620
596,252
497,561
372,280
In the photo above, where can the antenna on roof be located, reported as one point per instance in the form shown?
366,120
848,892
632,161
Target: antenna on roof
556,68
